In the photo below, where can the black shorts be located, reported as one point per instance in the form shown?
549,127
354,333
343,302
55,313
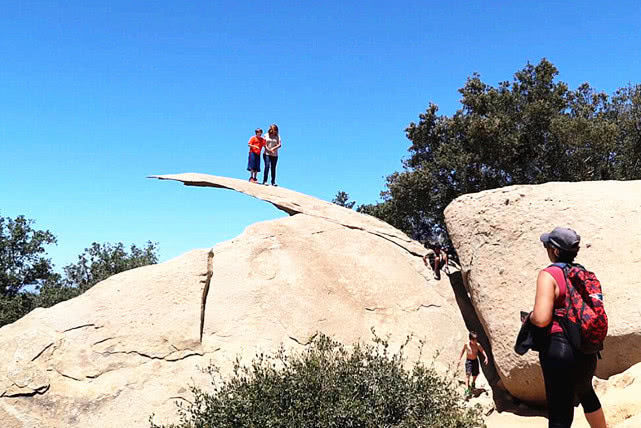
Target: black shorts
472,367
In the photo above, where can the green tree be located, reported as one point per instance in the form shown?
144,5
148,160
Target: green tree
95,264
527,131
100,261
23,260
342,199
329,386
54,293
15,307
27,278
24,266
625,109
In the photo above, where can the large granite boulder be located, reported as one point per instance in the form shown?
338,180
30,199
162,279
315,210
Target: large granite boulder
496,234
131,345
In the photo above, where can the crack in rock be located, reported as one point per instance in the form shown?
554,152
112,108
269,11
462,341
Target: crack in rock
207,281
38,391
40,353
193,354
378,234
419,307
102,340
82,326
396,243
170,360
67,376
426,307
310,340
166,357
178,398
96,376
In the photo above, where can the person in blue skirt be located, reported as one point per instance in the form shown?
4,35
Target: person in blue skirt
256,144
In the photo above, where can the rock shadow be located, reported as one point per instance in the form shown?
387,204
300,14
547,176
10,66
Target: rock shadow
503,400
472,322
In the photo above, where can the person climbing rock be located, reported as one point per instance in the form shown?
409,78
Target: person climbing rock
472,349
436,258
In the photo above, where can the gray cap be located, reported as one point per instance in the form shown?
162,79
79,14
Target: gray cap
563,238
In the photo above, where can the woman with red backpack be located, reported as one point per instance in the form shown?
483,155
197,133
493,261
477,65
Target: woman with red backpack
567,370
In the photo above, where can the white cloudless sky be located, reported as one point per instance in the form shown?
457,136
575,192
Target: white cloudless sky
95,96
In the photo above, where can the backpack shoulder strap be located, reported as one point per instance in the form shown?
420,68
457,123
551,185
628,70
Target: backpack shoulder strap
558,272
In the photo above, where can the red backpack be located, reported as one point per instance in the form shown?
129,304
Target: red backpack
583,318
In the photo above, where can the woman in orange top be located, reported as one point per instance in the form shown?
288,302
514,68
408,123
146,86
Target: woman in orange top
256,144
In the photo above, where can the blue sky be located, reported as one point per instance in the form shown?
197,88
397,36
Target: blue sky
95,96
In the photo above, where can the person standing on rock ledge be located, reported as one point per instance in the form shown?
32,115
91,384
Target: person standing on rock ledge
256,144
567,371
270,155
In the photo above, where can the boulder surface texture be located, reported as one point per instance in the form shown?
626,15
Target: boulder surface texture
496,234
131,345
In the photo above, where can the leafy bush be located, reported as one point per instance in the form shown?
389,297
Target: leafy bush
328,386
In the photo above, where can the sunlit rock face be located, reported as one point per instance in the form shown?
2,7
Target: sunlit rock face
131,346
496,234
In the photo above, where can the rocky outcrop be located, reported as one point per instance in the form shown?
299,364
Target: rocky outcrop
298,203
496,234
131,345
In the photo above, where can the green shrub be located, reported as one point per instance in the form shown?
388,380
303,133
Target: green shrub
328,386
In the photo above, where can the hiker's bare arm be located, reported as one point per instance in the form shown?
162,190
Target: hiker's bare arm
462,352
544,301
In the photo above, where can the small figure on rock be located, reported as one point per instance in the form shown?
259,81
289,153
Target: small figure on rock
256,144
437,258
270,155
472,348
